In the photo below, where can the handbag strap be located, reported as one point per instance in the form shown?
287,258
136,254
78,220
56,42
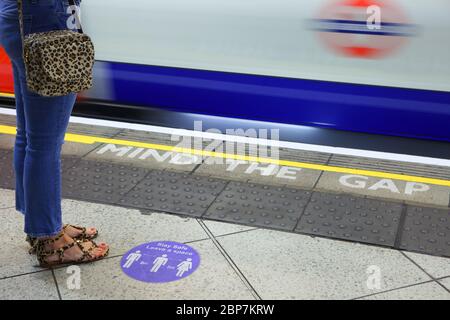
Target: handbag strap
20,9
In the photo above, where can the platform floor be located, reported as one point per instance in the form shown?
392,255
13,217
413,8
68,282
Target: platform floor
296,230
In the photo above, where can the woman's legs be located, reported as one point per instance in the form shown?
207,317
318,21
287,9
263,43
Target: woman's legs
41,122
46,121
41,125
20,143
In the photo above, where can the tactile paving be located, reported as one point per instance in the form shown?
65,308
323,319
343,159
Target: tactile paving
174,192
99,181
259,205
7,175
67,163
351,218
426,230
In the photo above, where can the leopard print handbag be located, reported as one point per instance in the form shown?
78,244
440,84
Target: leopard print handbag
57,62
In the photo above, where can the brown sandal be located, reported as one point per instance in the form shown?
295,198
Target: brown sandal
42,254
82,236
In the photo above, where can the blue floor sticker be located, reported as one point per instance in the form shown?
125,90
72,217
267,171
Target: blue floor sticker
160,261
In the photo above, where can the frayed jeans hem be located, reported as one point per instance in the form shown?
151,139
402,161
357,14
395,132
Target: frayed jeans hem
42,235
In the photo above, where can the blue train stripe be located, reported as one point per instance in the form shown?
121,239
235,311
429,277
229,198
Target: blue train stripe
354,107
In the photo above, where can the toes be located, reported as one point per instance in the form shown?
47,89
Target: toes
103,247
92,231
74,232
97,252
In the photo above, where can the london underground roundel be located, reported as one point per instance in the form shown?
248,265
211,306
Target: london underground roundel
363,28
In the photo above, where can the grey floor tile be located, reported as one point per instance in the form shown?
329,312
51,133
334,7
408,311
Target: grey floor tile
14,257
287,266
426,291
34,286
221,228
445,282
214,279
7,198
437,267
124,228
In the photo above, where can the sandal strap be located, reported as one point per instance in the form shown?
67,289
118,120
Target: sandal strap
36,242
42,253
86,252
52,240
82,229
32,242
57,251
83,235
74,226
87,256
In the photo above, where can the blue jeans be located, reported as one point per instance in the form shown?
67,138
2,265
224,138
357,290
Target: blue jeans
41,121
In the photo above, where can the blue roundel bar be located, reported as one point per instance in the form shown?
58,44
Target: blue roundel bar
360,27
354,107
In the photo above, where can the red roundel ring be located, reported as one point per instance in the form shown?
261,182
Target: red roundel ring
342,26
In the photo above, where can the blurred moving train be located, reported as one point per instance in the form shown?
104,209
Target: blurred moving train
377,66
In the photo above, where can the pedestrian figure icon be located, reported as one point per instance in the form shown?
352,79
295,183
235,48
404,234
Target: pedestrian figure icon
184,266
158,262
131,258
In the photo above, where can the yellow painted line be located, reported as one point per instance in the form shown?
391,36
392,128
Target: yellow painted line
7,129
378,174
7,95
